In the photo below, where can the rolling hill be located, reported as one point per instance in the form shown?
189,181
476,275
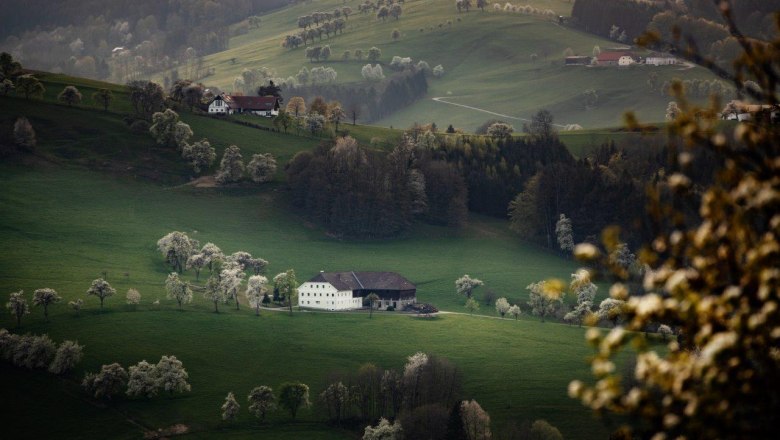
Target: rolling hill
92,200
487,58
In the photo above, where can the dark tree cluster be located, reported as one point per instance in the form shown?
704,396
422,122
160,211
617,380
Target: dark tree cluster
356,192
496,170
607,188
369,102
598,16
424,397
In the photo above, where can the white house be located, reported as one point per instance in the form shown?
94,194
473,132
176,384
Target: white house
218,106
267,106
346,290
626,60
661,60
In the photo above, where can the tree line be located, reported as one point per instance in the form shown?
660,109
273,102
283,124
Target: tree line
369,102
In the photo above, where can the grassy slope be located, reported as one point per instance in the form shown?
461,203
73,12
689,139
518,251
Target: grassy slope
486,58
92,223
63,226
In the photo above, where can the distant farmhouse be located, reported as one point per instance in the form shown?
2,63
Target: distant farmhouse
617,58
346,290
267,106
661,60
741,111
578,60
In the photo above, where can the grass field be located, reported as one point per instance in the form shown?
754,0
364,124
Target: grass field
487,61
63,227
84,205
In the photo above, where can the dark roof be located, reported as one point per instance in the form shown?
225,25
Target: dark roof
251,102
364,280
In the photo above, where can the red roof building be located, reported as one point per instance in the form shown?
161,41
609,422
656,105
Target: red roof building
257,105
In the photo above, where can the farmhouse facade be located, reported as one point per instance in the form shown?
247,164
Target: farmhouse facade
615,59
346,290
267,106
661,60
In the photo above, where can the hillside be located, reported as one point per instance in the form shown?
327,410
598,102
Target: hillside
486,57
94,198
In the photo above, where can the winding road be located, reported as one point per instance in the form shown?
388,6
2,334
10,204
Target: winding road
441,99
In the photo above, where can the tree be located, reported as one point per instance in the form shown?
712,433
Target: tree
374,54
230,278
146,97
500,130
438,71
255,291
103,97
17,305
296,106
585,291
563,231
70,95
213,292
465,285
230,408
29,86
514,311
476,421
335,114
382,13
293,396
283,119
101,289
371,73
142,380
177,248
544,298
24,135
384,430
541,430
287,286
7,86
481,4
395,10
672,111
44,297
371,298
611,309
596,51
471,305
325,52
76,305
200,155
169,131
231,167
133,297
262,167
178,289
68,355
541,126
107,383
261,400
171,375
708,276
502,307
314,122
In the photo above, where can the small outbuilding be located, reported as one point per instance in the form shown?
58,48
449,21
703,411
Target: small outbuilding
346,290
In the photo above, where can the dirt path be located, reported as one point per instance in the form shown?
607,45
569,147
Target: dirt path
441,99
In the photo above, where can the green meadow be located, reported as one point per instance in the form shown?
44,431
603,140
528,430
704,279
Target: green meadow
486,57
94,198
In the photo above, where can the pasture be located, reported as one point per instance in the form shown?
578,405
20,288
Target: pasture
63,227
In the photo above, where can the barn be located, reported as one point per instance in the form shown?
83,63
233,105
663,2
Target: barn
346,290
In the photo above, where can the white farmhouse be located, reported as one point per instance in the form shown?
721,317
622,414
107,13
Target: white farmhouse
346,290
661,60
267,106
